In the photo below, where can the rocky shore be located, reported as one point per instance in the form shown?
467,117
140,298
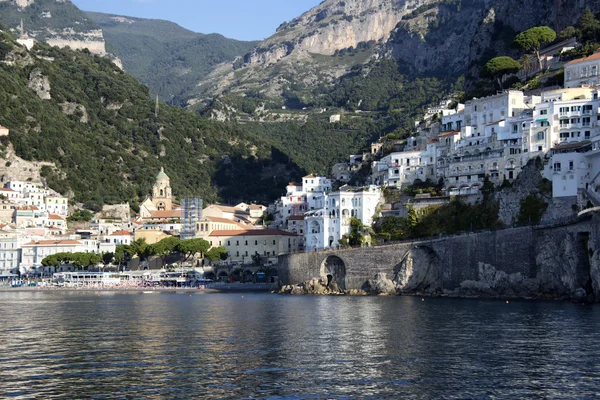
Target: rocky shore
512,288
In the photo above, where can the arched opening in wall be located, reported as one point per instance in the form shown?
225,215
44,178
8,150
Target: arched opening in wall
331,241
315,227
248,276
162,193
210,275
419,271
223,276
161,206
333,269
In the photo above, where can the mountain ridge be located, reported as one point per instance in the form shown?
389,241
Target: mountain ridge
163,55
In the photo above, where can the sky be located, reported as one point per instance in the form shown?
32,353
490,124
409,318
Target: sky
236,19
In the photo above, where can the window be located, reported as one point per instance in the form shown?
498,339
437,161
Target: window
543,112
237,242
540,135
256,242
515,129
228,243
545,123
246,243
557,167
587,134
274,240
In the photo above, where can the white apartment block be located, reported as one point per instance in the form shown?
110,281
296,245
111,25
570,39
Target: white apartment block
583,72
35,251
57,205
325,227
10,252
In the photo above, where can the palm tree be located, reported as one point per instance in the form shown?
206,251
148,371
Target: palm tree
529,65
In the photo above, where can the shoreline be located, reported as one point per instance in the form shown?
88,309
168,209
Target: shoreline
231,288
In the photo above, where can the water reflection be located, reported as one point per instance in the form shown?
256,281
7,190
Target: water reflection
260,346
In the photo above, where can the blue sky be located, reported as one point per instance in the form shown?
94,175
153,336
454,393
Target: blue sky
237,19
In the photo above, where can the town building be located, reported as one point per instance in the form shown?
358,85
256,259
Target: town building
583,71
267,244
161,199
326,226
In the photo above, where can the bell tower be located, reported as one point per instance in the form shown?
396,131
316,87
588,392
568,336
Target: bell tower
161,192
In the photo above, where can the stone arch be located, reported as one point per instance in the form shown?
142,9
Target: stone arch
419,271
210,275
315,227
223,275
333,268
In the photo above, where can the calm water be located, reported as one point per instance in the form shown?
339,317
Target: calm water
74,345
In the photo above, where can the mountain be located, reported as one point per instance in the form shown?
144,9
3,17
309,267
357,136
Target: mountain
440,38
164,56
57,22
93,132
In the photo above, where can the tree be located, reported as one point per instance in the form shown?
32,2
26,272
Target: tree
107,258
191,247
533,39
256,258
355,238
528,64
217,253
498,67
165,248
589,26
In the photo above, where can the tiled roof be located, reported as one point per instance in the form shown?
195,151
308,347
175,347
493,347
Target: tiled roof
311,176
55,217
296,218
593,57
224,221
174,214
122,233
255,232
6,190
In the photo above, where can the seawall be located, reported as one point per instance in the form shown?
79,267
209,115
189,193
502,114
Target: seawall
557,262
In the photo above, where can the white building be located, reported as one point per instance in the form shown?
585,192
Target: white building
583,71
326,226
569,169
10,251
35,251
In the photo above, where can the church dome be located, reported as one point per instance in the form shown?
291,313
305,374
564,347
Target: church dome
161,175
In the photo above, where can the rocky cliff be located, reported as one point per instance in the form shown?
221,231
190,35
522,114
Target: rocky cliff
442,38
455,36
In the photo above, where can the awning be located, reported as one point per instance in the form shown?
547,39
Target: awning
541,120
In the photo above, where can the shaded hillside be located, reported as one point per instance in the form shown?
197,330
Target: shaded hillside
164,56
98,125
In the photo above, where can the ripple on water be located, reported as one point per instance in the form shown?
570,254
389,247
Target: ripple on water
123,346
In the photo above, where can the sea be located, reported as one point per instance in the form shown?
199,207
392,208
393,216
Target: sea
71,345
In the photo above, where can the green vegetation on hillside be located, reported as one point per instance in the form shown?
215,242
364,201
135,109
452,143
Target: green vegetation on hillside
164,56
63,15
115,155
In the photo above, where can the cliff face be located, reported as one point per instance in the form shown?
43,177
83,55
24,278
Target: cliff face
454,37
334,25
429,37
57,22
